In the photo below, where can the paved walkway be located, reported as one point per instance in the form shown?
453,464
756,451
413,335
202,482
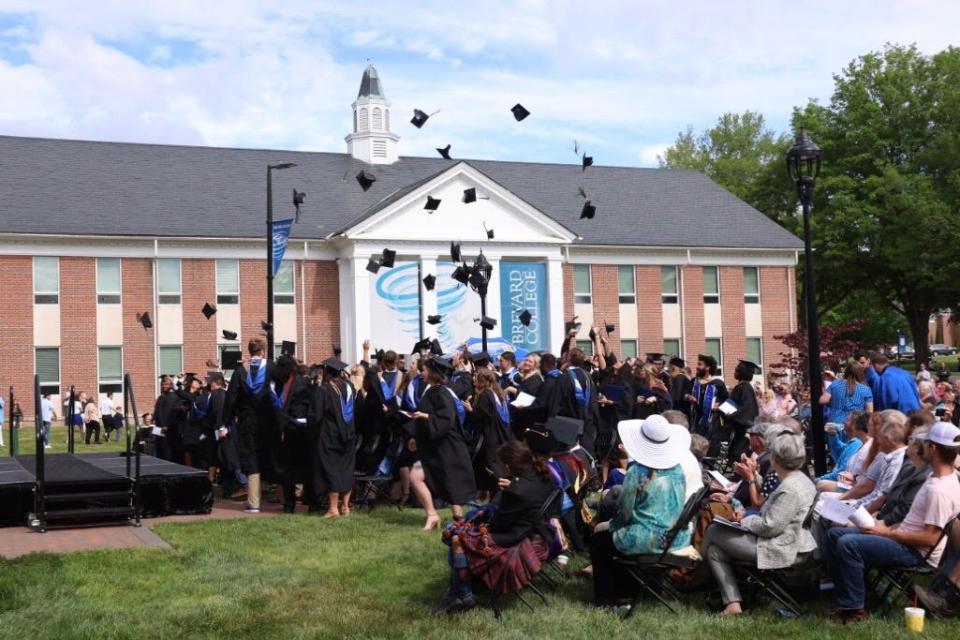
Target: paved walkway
19,541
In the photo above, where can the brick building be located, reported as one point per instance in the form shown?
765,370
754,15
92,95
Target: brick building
95,234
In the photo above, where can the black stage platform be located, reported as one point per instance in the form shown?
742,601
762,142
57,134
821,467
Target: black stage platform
165,488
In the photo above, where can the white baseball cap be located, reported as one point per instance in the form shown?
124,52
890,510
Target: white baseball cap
942,433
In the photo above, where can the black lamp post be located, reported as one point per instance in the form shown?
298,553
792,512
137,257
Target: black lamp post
478,277
270,274
803,166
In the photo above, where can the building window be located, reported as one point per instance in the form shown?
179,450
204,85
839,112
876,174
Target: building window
283,284
755,351
108,281
672,348
168,280
47,366
751,285
379,148
46,280
228,348
669,289
364,126
111,369
228,281
581,284
586,346
711,285
170,360
627,284
628,349
377,118
714,347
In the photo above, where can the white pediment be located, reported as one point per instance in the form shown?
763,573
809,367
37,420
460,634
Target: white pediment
512,219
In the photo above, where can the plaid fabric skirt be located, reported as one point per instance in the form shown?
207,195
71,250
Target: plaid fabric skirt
503,569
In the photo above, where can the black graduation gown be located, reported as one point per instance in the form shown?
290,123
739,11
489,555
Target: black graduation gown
442,448
643,410
548,400
291,459
335,438
226,453
679,387
733,428
522,419
496,432
570,408
696,409
256,421
164,416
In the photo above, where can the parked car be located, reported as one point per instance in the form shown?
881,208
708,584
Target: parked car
943,350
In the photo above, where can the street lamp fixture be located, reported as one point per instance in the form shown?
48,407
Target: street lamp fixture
477,276
269,323
803,167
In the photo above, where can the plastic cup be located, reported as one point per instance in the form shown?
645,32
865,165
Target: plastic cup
914,619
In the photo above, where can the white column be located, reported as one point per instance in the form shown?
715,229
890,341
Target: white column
361,308
493,296
428,299
555,303
347,312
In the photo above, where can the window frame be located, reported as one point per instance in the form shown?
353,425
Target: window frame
160,349
226,296
583,297
666,349
623,351
759,357
170,297
751,298
670,297
286,297
586,346
223,348
48,386
105,384
46,296
711,297
110,296
718,355
627,297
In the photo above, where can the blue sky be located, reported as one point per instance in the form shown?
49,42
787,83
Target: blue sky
621,77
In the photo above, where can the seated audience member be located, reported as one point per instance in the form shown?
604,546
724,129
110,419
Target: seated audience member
504,546
857,429
699,446
913,474
775,538
942,597
852,552
692,472
651,501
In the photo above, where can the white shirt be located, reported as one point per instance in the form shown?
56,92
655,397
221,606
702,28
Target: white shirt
106,407
46,410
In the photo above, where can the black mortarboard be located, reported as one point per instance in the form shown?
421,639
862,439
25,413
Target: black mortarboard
379,355
470,195
654,357
608,327
455,251
229,335
480,358
432,203
288,348
266,326
461,274
337,351
519,112
439,364
373,265
208,310
230,359
336,365
592,334
525,318
298,198
444,152
573,325
435,347
540,441
488,323
588,211
421,345
387,258
564,429
429,281
419,118
489,231
366,179
587,162
677,362
144,319
752,367
434,319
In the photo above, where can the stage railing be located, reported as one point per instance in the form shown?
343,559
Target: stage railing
130,407
70,418
14,437
39,487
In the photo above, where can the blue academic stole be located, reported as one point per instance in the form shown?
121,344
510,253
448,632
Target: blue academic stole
461,411
502,409
580,393
255,383
706,403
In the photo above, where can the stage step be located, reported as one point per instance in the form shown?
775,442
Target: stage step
87,496
89,514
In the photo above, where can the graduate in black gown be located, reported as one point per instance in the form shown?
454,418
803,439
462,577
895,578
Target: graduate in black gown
578,397
732,428
679,383
440,442
490,416
332,417
550,394
164,413
292,395
707,392
190,424
217,454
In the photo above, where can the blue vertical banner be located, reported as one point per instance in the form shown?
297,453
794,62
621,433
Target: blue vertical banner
281,234
523,286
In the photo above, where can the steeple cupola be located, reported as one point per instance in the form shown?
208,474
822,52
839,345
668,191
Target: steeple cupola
371,140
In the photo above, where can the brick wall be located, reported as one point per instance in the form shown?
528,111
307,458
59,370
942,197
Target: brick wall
649,310
321,305
139,355
16,331
606,306
691,297
253,299
567,291
732,320
199,334
78,324
775,288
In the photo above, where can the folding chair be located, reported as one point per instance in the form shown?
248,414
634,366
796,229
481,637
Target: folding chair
900,580
370,483
649,571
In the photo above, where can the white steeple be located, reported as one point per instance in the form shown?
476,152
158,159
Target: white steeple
371,140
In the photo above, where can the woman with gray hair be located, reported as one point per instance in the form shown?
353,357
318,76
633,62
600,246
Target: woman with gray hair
775,538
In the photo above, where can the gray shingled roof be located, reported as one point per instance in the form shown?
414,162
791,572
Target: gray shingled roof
78,187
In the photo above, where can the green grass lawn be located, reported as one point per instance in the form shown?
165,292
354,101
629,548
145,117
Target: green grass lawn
367,576
58,441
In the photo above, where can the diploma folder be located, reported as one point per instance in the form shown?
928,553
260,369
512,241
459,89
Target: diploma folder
613,392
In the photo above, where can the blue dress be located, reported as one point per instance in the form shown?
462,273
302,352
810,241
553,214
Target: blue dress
650,504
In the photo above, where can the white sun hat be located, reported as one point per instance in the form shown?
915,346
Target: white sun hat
654,442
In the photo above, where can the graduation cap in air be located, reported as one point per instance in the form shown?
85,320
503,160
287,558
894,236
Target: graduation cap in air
519,112
419,118
387,258
751,367
588,210
488,323
266,326
298,198
573,325
366,179
432,203
564,429
444,152
144,319
587,162
592,335
434,319
288,348
461,274
429,281
455,251
229,335
470,195
525,317
208,310
489,231
420,345
373,266
609,327
230,359
337,351
379,355
435,348
335,365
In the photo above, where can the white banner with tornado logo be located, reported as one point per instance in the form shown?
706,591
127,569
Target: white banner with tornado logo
395,307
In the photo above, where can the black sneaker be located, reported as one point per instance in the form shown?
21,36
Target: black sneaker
449,603
934,601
